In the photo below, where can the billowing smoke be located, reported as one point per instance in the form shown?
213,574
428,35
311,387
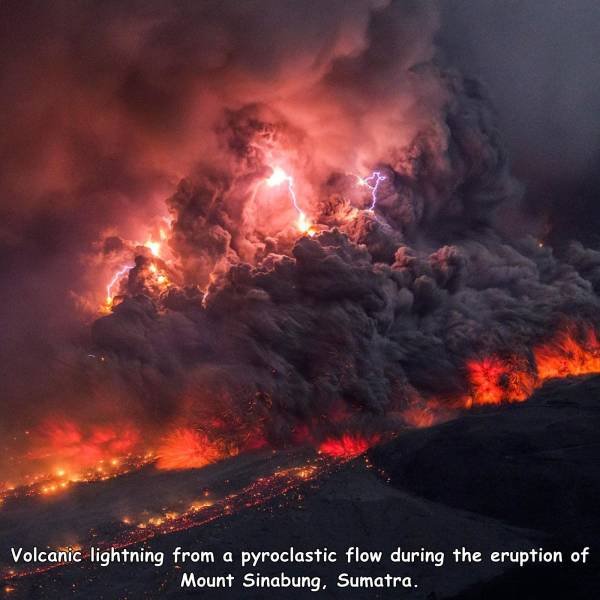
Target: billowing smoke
290,297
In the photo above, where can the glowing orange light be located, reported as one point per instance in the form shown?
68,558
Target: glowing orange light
85,454
418,417
187,448
348,445
196,506
566,355
494,380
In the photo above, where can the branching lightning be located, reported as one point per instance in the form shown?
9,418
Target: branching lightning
372,182
115,279
278,177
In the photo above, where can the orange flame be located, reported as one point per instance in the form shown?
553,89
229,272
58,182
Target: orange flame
494,380
187,448
348,445
566,356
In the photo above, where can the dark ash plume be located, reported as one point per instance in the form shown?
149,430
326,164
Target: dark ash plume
260,331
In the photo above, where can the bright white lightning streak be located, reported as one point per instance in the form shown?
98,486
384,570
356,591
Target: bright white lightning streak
113,281
277,178
376,177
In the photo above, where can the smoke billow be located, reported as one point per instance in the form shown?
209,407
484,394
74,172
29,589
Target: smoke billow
243,325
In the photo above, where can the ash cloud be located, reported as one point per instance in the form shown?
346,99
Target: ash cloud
271,331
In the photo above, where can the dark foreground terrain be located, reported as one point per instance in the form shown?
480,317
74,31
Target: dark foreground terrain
516,477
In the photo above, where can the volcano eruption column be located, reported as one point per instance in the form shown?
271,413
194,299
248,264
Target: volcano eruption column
334,259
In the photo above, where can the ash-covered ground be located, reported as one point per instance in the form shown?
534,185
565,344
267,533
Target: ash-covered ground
510,477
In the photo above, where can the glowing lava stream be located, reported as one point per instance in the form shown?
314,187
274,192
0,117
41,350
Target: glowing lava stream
367,181
277,178
204,511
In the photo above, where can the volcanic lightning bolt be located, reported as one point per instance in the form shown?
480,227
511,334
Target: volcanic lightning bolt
115,279
372,182
278,177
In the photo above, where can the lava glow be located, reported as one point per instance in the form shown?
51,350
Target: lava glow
63,453
61,479
278,177
494,380
372,182
70,443
188,449
566,355
348,445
